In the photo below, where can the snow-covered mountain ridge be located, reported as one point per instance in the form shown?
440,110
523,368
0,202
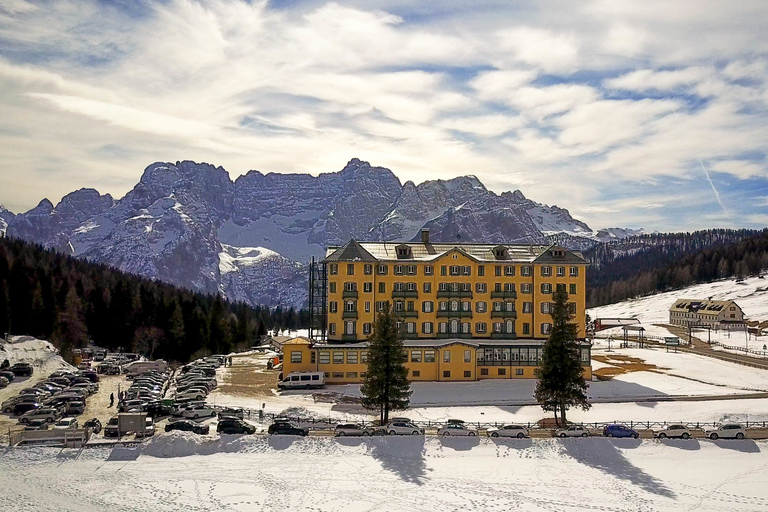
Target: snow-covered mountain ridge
190,225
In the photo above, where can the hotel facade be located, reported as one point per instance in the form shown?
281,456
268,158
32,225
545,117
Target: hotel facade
466,311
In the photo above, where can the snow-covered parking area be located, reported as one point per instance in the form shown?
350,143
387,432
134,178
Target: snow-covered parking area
177,472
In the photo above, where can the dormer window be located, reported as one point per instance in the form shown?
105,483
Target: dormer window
557,253
403,252
500,252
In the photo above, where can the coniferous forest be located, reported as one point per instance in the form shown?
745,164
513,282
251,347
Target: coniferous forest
72,302
654,263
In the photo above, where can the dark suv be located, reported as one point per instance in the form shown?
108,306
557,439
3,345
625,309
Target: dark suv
22,407
234,426
287,428
21,369
188,426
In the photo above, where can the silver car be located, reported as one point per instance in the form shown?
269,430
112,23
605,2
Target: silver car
403,428
517,431
572,431
673,430
48,414
726,431
456,429
353,429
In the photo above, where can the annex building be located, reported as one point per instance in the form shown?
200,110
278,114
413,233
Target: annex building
712,313
467,311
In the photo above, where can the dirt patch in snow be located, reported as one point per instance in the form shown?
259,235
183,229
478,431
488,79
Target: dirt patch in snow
248,378
621,364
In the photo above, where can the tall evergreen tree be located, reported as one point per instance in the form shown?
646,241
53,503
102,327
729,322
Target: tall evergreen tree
561,384
386,385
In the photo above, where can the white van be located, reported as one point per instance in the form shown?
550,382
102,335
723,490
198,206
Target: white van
137,368
302,380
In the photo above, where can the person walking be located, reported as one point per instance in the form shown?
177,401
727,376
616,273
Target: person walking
111,399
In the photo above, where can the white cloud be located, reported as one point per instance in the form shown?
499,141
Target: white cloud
501,85
540,102
547,50
515,96
742,169
646,79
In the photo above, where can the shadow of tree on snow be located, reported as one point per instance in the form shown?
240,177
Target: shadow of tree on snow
604,454
740,445
403,456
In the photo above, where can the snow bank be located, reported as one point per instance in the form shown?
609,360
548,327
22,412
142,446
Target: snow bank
43,356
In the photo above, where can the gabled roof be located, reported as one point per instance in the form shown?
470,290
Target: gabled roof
708,307
351,251
482,253
567,258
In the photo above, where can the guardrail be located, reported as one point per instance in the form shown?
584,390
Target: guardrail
320,423
71,438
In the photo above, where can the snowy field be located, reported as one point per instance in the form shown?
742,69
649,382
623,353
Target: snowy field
172,473
751,295
678,375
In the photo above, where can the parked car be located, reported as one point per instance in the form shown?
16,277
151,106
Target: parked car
199,411
182,406
42,393
353,429
149,428
8,375
400,428
37,424
726,431
7,405
232,412
21,369
572,431
517,431
132,406
158,410
620,431
196,394
110,429
235,426
4,382
456,429
285,427
65,423
673,430
75,408
22,407
48,414
188,426
94,424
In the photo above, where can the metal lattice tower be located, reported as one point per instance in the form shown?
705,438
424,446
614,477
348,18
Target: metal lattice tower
318,314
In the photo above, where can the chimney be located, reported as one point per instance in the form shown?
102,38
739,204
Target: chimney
424,236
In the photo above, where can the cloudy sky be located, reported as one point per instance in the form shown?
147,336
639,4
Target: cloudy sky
638,114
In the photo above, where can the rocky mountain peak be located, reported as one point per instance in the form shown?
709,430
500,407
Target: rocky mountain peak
44,207
187,223
517,196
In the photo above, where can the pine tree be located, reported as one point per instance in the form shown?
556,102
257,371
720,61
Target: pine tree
561,384
386,385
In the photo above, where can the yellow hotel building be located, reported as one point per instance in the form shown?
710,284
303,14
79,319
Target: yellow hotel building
467,311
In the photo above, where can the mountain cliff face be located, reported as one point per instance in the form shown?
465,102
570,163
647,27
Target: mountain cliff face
6,216
188,224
